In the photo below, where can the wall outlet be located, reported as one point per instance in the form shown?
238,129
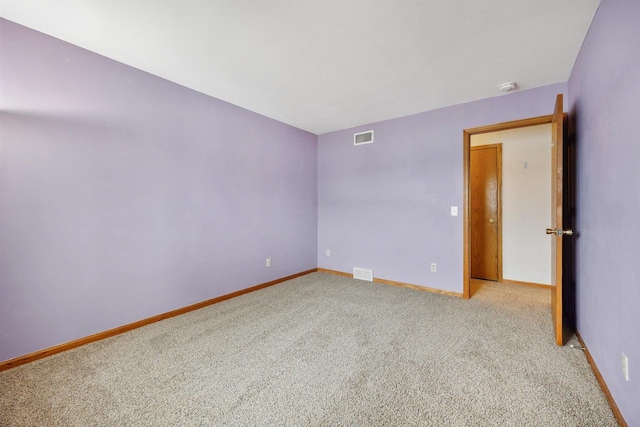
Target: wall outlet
268,262
625,367
328,252
454,211
434,267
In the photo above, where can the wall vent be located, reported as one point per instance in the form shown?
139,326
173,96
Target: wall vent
363,138
362,274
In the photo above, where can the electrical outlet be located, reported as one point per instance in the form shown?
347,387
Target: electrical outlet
434,267
328,252
268,262
625,367
454,211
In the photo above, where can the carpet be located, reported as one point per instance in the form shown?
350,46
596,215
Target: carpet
322,350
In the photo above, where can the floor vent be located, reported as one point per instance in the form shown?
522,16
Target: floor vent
362,274
363,138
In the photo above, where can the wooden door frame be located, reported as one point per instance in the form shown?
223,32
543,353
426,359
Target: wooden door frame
498,147
466,221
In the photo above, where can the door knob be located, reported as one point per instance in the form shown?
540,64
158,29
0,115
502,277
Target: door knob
559,232
491,221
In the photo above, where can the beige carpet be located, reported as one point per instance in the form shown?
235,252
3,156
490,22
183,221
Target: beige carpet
322,350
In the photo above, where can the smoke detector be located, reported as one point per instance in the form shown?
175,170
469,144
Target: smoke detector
508,86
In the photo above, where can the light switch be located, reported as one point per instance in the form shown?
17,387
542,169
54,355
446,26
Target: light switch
454,211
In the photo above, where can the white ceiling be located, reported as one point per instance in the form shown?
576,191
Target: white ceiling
324,65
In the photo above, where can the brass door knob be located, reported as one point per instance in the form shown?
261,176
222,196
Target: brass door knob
559,232
491,221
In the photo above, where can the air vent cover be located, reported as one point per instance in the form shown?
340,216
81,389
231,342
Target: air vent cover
363,138
362,274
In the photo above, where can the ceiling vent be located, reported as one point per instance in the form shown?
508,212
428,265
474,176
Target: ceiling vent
362,274
363,138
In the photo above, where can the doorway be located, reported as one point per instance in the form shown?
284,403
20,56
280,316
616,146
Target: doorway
510,201
469,228
558,214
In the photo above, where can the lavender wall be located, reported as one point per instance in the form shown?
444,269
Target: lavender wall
386,205
124,195
604,95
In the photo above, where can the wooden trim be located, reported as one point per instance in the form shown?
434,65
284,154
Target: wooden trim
499,211
418,287
466,147
519,283
603,385
338,273
21,360
514,124
466,221
394,283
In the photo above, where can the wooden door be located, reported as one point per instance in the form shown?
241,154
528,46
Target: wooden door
484,200
556,231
